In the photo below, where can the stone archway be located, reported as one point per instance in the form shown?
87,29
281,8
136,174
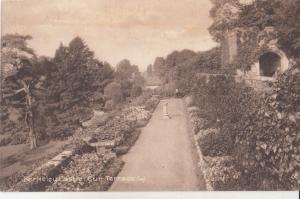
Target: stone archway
269,64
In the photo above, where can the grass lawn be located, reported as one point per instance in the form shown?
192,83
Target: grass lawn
16,158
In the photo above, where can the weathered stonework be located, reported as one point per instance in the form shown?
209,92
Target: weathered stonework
229,48
270,62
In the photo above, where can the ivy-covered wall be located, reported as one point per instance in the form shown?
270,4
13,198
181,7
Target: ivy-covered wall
242,49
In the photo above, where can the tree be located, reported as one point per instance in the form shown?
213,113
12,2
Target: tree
136,91
102,75
125,71
224,13
283,16
289,27
128,75
159,66
71,88
149,70
164,68
177,57
19,79
204,62
113,92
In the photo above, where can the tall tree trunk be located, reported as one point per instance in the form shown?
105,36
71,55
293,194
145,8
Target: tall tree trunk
29,117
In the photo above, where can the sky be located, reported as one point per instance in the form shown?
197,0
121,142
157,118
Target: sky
138,30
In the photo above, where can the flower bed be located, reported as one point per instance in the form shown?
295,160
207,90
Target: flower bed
148,101
136,113
37,178
82,172
212,143
221,173
96,161
218,169
260,131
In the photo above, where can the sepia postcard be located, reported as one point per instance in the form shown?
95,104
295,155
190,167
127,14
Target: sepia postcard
150,96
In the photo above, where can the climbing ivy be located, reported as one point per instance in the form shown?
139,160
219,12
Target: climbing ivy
252,43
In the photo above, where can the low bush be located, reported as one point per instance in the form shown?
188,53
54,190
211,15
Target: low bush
5,141
136,91
151,103
213,143
113,92
261,131
267,138
221,173
135,113
19,138
79,174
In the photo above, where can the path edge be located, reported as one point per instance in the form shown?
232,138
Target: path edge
201,163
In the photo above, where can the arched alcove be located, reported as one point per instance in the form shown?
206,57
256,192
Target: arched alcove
269,64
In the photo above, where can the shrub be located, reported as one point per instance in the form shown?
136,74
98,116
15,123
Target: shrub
140,101
267,142
151,103
113,92
200,124
222,103
5,141
108,105
18,138
136,91
213,143
221,173
264,129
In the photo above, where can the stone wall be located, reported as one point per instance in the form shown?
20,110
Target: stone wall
232,45
229,48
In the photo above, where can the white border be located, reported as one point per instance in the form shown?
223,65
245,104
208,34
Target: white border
156,195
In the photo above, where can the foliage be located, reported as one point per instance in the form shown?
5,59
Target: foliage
149,70
102,74
151,103
164,68
113,91
221,173
64,89
69,93
136,91
260,14
203,62
268,137
289,27
159,66
147,100
125,71
224,14
22,82
264,129
128,75
180,69
80,173
214,143
222,101
282,16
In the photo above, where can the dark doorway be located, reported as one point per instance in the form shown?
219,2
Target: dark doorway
269,64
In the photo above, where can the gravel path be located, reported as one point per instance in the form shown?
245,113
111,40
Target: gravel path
163,158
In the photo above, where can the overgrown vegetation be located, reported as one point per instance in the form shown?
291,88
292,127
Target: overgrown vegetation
267,137
55,95
257,133
253,135
260,132
252,24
